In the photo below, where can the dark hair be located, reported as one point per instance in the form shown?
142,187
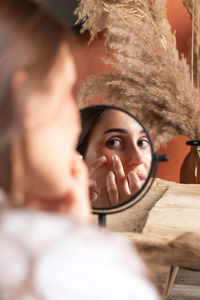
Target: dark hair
30,40
89,118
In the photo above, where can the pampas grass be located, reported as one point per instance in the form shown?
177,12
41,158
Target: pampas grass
94,17
193,8
149,78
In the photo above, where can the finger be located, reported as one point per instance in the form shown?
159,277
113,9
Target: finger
112,189
121,177
97,164
76,154
93,196
78,199
92,184
134,182
79,168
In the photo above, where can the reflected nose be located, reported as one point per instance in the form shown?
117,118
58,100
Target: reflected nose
135,157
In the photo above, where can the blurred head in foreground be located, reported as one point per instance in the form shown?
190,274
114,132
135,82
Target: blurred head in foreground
39,121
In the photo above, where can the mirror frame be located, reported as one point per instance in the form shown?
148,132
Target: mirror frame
152,172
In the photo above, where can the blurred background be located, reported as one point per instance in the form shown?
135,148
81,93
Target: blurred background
88,61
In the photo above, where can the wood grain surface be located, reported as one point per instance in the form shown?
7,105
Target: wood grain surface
165,227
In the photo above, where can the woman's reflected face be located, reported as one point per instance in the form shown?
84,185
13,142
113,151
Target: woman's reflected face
122,140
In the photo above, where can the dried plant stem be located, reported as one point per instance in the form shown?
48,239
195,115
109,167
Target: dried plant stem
193,8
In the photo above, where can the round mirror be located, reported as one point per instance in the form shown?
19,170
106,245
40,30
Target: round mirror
119,154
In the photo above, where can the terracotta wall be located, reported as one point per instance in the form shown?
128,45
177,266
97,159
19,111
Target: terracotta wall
88,60
176,149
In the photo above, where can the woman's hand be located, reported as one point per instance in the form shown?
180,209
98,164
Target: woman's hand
78,195
119,186
92,170
76,200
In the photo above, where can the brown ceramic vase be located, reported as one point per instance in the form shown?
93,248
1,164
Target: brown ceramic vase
190,169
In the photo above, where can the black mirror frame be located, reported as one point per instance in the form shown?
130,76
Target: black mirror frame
145,188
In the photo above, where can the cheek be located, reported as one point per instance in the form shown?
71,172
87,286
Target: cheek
94,152
147,161
74,115
70,115
67,124
148,158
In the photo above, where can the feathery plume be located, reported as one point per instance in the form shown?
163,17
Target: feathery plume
94,17
149,79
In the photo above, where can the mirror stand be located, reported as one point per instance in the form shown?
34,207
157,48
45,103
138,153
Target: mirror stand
102,220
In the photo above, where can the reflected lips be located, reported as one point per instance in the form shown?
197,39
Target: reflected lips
141,177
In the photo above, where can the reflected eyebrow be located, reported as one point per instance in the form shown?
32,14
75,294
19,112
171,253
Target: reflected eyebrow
120,130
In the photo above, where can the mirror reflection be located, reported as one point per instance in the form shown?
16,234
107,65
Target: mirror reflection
118,153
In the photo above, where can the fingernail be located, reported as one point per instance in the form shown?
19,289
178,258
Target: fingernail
111,173
102,158
110,176
115,158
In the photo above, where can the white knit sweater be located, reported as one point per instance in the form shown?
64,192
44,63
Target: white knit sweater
46,256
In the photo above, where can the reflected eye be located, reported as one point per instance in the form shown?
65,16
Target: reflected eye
144,142
114,143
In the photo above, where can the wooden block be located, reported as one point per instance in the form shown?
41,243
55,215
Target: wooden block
176,212
186,286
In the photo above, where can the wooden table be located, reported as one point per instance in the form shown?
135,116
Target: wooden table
165,226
